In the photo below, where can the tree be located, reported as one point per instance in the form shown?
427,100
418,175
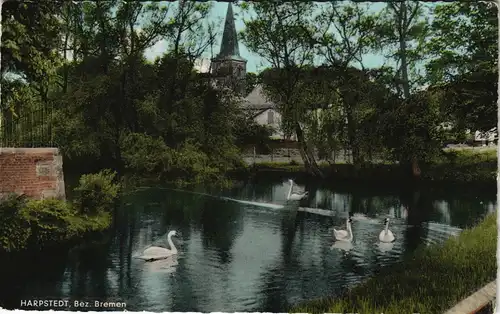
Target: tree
410,129
404,30
29,37
111,106
347,33
251,80
281,33
463,62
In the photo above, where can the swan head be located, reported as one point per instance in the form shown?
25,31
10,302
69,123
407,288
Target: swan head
386,221
172,233
290,180
349,220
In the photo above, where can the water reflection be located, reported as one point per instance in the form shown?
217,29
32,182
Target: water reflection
385,247
342,245
241,257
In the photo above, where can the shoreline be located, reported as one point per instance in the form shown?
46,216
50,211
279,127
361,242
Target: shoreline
454,166
468,261
482,173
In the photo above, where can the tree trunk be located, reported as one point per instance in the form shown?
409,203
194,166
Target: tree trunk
415,167
65,66
402,48
404,24
349,101
306,154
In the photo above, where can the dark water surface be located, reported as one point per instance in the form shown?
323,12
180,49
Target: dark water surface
239,257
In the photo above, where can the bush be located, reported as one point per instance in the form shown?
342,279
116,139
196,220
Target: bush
248,132
38,223
191,163
49,220
14,229
145,154
184,165
80,225
96,192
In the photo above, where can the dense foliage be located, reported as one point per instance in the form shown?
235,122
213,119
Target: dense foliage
85,63
14,228
440,72
40,223
96,192
110,107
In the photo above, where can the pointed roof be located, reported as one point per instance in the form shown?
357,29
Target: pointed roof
229,48
257,99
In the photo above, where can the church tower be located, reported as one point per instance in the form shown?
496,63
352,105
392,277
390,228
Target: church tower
228,67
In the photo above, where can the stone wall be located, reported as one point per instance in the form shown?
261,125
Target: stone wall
35,172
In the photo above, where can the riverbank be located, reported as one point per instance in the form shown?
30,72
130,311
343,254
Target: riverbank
455,166
467,262
38,224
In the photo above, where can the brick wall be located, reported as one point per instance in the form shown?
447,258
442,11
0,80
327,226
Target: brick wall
35,172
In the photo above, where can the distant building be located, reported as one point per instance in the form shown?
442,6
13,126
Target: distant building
488,137
478,137
228,69
263,111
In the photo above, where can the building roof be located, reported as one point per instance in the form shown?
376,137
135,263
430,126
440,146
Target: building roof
257,100
229,48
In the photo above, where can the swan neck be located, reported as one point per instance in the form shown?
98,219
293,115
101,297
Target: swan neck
171,244
290,190
349,230
386,227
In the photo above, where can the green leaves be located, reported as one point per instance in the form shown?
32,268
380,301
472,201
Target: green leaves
39,223
96,193
467,32
464,52
14,230
345,33
281,32
87,60
403,32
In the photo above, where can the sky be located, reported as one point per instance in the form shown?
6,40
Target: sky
254,62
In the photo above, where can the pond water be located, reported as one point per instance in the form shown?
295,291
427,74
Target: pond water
239,257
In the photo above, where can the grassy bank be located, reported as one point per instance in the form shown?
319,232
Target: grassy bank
435,279
37,224
453,166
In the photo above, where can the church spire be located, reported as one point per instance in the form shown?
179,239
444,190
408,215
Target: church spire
229,46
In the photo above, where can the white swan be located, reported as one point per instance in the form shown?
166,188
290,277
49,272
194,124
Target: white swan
344,235
296,196
386,234
155,252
